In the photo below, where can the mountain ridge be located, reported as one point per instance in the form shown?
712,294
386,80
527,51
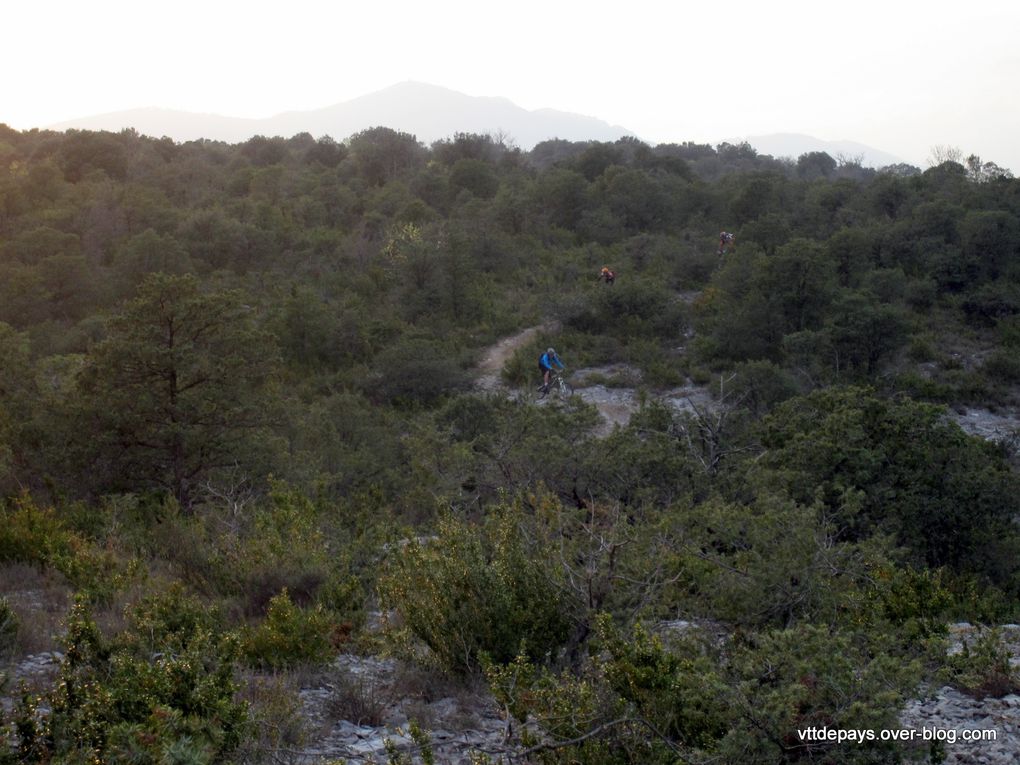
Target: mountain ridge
430,113
795,144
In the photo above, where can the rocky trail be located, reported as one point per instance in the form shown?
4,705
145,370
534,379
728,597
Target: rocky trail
495,358
617,402
601,386
991,426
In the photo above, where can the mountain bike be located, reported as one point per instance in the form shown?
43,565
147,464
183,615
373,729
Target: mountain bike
558,386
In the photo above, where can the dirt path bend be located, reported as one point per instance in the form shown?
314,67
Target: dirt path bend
491,366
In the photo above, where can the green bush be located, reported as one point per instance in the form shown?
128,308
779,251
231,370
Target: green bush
8,629
948,498
992,302
168,620
473,590
660,368
982,666
920,294
30,534
343,596
38,536
1008,330
761,385
772,564
115,700
658,701
289,636
279,545
634,308
1003,365
416,372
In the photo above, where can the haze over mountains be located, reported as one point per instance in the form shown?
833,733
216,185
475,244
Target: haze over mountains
795,144
431,113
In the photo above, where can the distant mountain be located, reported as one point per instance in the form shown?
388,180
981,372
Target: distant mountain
794,144
429,112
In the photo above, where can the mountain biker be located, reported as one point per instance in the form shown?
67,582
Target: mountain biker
609,276
545,366
725,239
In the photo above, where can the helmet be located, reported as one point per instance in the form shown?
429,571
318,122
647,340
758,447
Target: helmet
550,351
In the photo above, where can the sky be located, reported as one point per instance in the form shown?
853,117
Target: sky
899,75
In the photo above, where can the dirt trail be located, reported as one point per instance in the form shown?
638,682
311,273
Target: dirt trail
491,366
615,403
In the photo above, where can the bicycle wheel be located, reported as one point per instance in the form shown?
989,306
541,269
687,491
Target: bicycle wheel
565,389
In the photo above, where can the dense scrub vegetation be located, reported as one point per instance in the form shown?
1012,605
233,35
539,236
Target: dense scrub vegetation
237,415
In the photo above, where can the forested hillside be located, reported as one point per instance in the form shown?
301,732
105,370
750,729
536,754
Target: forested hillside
240,434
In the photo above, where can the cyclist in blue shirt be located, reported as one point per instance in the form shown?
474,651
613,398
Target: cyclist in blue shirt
545,366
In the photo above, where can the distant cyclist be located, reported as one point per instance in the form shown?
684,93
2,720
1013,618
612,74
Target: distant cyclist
545,366
607,274
725,240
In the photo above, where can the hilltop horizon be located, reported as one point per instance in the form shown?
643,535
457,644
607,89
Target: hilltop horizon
433,112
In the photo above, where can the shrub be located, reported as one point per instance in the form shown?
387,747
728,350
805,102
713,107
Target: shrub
168,620
474,590
1003,365
1008,330
280,545
277,716
991,303
761,385
289,636
30,534
38,536
357,699
416,372
642,699
982,666
774,563
634,308
920,294
8,629
659,367
116,701
946,497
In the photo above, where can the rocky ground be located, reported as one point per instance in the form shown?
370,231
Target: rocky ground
362,705
385,699
993,426
951,715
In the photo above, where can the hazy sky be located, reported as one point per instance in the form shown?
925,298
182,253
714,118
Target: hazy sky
901,76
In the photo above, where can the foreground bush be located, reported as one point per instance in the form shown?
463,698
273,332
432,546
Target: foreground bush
161,691
982,666
289,636
38,536
645,699
473,590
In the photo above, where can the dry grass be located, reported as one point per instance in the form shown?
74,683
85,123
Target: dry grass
41,601
357,699
280,730
415,682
